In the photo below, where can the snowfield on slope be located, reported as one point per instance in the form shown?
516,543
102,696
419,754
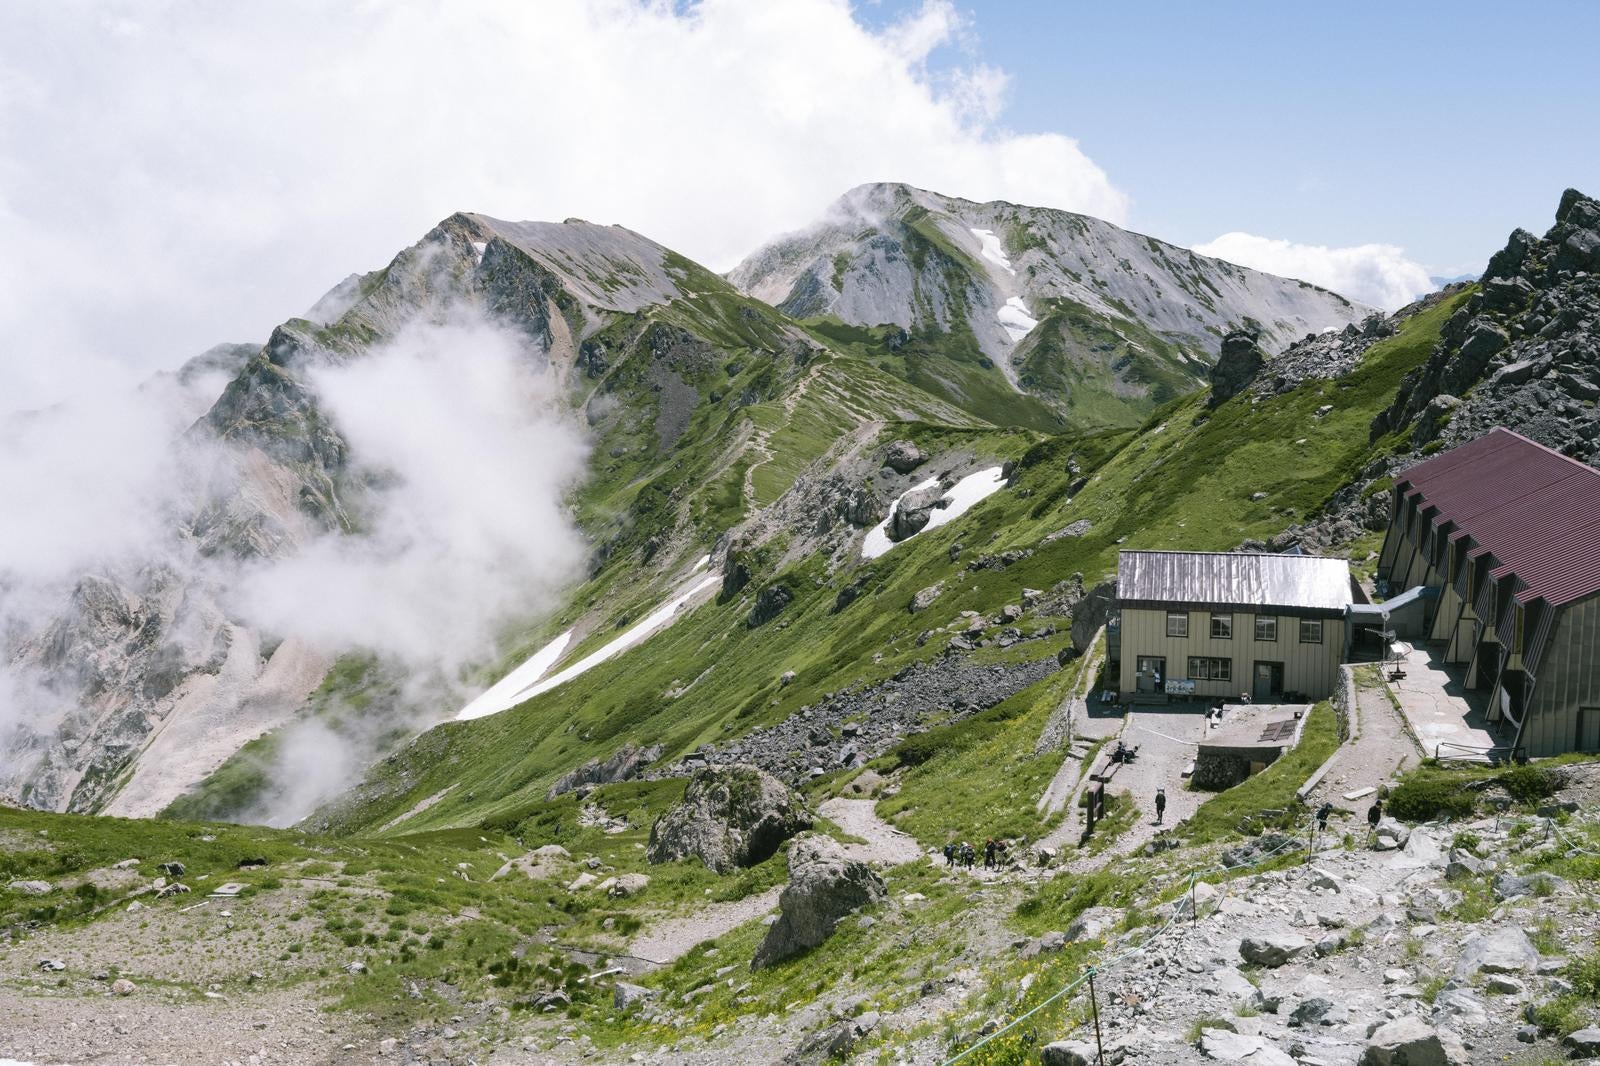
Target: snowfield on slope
528,680
1015,319
962,497
992,250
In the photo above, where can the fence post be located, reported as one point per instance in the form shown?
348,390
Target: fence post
1094,1004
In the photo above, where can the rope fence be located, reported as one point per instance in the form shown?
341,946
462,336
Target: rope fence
1178,909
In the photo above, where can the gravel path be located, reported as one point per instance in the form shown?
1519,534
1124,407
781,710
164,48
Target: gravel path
1381,747
885,845
672,939
174,1026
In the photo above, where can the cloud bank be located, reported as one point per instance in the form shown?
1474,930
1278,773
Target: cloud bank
1375,274
174,175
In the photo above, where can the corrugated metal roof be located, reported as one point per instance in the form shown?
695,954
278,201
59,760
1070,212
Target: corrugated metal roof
1536,511
1234,578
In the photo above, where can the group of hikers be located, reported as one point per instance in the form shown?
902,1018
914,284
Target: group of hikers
964,854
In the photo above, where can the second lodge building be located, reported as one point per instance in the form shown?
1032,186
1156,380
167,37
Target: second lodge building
1503,534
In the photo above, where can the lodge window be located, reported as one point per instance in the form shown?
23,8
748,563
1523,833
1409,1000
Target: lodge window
1221,626
1202,668
1266,627
1177,623
1311,631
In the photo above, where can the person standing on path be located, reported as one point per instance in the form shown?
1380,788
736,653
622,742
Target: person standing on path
1161,805
950,855
1374,816
988,854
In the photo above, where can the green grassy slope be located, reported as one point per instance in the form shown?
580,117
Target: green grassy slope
1187,478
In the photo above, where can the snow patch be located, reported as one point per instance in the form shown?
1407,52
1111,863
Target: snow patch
992,250
966,494
1015,319
658,619
504,694
962,497
477,250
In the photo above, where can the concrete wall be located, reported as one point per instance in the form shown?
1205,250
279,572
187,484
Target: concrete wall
1309,668
1568,682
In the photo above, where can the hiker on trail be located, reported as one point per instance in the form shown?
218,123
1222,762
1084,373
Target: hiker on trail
1374,816
988,854
967,854
1322,817
1161,805
950,854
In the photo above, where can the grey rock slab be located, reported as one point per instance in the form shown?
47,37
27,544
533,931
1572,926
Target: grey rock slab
1272,949
1503,950
1225,1046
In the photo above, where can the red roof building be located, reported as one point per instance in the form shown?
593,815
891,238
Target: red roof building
1507,533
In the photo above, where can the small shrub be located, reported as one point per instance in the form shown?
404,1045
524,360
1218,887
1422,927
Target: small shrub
1425,797
1527,784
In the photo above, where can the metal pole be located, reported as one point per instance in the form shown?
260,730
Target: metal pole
1094,1003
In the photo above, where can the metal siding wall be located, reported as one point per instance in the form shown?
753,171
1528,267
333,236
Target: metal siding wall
1309,668
1569,678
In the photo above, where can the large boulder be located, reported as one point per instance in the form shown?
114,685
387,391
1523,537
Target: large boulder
1406,1041
824,886
904,457
730,816
1237,365
914,512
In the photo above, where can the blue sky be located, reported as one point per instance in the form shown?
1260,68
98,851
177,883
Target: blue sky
1438,127
1359,147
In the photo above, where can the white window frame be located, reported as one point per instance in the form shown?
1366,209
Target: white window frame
1266,618
1173,616
1226,617
1213,668
1311,622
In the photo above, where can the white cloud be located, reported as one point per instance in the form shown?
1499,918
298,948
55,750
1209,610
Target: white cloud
477,451
175,175
1375,274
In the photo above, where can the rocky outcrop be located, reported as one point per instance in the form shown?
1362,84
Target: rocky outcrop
729,817
625,763
1522,352
770,603
1237,365
824,886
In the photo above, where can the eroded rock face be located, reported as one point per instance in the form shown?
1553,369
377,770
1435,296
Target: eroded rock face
730,816
625,763
824,886
1237,365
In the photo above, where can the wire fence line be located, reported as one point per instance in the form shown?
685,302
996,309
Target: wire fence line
1178,910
